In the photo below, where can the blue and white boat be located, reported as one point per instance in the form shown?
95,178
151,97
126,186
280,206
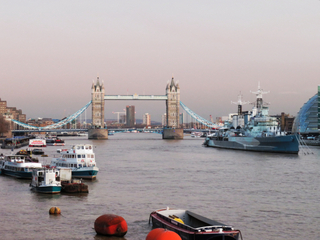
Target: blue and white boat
46,180
254,131
19,166
80,159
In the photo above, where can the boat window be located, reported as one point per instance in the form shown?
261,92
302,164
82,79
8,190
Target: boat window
82,147
86,147
80,165
78,147
89,147
92,156
79,156
83,156
88,155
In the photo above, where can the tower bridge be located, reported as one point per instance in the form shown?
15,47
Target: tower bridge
172,98
171,130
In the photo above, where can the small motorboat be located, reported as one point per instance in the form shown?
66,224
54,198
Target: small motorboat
46,180
191,226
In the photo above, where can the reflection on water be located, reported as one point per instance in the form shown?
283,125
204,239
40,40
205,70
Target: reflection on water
266,196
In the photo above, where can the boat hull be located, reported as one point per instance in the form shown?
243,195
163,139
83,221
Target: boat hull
188,233
47,189
278,144
17,174
86,174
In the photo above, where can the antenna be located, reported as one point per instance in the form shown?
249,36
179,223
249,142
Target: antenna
259,92
240,103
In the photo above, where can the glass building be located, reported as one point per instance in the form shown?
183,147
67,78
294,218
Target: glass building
308,119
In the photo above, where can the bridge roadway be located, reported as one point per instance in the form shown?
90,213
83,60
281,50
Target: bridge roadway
135,97
155,130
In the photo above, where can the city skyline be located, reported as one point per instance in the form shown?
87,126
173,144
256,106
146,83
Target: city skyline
52,51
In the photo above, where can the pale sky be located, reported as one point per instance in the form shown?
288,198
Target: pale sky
51,51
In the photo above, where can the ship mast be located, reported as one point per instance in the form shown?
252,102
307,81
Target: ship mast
259,93
240,103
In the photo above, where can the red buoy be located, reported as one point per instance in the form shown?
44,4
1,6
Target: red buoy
168,235
153,234
162,234
111,225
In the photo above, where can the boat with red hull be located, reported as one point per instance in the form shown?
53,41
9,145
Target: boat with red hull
191,226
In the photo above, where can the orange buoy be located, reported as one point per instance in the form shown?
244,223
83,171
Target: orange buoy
54,210
111,225
153,234
168,235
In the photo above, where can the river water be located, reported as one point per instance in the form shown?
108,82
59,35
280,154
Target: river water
266,196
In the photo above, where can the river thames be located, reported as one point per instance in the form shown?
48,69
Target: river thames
266,196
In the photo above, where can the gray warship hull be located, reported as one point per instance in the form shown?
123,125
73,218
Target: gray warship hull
277,144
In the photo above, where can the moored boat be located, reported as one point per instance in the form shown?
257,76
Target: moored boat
80,159
191,226
55,141
46,180
254,131
37,142
19,166
15,142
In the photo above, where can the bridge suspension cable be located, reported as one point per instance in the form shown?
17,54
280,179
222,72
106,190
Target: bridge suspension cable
198,118
55,125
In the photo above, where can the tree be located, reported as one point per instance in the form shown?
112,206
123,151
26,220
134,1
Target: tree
4,125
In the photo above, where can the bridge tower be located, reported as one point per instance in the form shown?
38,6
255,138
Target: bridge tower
97,96
172,129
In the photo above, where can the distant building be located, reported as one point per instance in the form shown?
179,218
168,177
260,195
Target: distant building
181,116
146,119
130,116
12,113
164,119
40,122
122,119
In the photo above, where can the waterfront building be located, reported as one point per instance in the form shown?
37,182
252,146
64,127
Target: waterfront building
146,119
130,116
12,113
307,119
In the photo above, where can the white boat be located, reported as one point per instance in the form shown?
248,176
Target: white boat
196,134
46,180
37,142
19,166
80,159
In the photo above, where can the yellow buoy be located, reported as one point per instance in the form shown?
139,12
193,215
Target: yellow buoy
54,210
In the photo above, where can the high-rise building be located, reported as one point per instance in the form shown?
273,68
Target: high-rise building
146,120
130,116
181,118
164,119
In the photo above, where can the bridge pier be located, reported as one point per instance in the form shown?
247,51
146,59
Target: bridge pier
99,134
172,133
